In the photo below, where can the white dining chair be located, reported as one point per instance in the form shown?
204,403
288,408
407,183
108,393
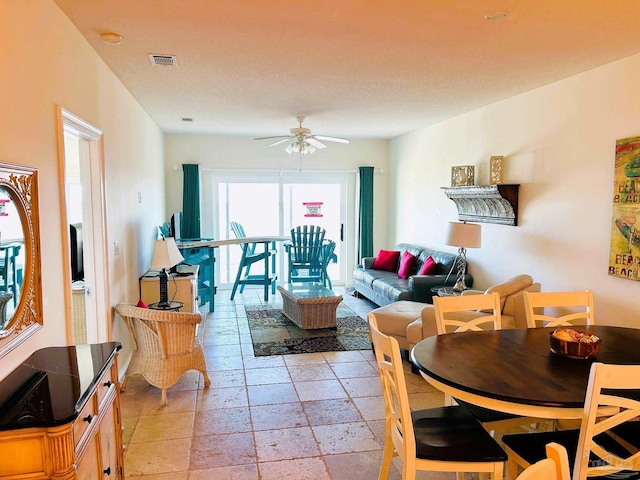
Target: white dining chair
554,467
445,439
607,447
470,312
571,308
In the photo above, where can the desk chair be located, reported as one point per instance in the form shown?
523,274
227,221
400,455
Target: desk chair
554,467
164,346
604,447
446,439
249,257
476,313
536,302
305,252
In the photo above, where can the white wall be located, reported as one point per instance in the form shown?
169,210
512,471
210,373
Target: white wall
222,152
46,62
559,144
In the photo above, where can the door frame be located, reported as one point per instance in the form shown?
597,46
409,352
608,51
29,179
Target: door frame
97,259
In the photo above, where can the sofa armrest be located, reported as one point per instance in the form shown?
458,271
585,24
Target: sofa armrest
366,262
514,306
421,285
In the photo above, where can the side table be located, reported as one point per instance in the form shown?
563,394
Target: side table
445,292
172,307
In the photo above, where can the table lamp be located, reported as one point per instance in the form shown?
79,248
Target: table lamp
165,255
463,235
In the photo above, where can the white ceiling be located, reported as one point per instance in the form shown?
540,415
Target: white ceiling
355,68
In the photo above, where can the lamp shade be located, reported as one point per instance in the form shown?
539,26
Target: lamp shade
465,235
166,254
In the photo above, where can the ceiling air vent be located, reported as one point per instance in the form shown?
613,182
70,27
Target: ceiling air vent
166,60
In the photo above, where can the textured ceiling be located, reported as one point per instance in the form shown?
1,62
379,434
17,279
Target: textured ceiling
355,68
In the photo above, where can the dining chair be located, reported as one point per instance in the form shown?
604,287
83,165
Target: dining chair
471,312
249,257
606,447
580,304
305,253
444,439
477,313
164,346
554,467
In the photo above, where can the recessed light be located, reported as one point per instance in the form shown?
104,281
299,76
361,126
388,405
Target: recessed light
496,15
111,38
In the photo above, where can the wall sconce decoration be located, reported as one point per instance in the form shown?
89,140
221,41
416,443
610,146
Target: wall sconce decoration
462,176
496,170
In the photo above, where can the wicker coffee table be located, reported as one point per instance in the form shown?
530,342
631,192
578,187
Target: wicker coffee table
309,306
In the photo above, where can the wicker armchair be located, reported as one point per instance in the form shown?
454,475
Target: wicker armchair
164,346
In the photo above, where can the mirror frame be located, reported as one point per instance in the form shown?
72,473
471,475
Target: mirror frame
21,184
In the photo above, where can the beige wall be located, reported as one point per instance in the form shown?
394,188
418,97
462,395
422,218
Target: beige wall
220,152
46,62
559,145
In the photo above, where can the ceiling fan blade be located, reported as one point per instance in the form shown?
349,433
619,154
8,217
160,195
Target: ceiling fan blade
287,139
277,136
315,143
331,139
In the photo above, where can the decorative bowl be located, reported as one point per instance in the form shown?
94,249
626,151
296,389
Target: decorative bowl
573,348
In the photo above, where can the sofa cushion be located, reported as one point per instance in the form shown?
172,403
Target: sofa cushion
429,267
386,260
407,264
390,286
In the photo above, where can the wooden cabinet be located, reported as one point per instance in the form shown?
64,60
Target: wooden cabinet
60,415
181,288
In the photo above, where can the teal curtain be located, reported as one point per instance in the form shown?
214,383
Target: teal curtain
366,213
190,201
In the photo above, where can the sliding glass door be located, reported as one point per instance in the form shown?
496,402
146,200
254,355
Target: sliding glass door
271,203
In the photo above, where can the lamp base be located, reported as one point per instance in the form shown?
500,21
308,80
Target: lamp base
459,287
164,297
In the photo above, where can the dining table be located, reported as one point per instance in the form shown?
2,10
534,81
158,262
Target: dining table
514,370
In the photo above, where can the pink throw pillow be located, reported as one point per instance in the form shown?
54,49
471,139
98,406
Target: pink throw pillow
407,264
386,260
429,267
141,304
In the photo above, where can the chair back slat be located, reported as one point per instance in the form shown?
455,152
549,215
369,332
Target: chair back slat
570,308
475,313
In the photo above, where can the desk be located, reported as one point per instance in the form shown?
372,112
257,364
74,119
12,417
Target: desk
266,240
513,370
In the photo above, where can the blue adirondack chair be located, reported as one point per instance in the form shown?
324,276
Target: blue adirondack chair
309,255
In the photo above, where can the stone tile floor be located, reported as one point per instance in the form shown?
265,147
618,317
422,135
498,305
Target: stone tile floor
304,417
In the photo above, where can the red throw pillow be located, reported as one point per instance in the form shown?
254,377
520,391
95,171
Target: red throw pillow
141,304
386,260
407,264
429,267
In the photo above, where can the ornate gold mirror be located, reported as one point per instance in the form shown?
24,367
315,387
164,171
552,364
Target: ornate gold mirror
20,287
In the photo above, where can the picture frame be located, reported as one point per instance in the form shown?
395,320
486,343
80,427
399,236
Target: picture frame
462,175
496,170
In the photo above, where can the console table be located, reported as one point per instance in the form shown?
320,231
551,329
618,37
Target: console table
60,415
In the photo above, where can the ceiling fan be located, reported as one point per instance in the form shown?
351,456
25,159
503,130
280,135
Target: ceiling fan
301,140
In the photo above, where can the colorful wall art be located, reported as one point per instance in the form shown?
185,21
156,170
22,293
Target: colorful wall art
624,256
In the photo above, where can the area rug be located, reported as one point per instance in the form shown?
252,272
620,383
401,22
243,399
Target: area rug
274,334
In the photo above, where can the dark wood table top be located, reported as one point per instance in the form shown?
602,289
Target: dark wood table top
513,370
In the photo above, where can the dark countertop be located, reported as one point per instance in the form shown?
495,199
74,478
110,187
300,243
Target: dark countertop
49,387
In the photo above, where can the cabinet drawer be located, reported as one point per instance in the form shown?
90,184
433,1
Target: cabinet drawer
104,385
84,420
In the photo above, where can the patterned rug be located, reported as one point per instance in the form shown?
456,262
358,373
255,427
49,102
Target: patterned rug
274,334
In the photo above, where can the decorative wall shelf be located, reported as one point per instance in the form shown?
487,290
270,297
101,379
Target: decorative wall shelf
486,203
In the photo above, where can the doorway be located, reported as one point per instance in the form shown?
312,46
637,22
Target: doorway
271,203
83,232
